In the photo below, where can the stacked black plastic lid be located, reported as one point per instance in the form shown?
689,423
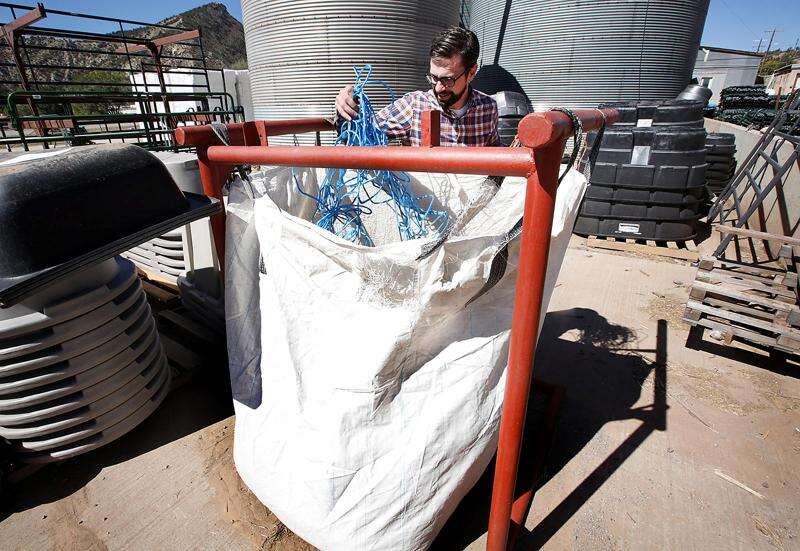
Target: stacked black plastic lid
67,212
648,180
170,255
81,364
659,113
720,151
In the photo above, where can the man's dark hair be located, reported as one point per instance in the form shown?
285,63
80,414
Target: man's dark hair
456,40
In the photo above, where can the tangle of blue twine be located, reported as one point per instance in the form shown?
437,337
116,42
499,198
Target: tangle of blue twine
344,197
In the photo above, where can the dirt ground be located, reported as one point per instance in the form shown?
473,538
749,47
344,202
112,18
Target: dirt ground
658,446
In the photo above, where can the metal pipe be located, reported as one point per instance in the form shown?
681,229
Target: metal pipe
461,160
200,136
546,133
538,130
534,247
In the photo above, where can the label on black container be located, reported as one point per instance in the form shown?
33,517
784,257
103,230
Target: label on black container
625,227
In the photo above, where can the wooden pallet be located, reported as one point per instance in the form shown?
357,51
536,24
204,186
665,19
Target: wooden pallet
161,293
750,302
685,250
156,278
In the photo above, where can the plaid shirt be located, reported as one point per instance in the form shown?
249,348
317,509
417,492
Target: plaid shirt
402,120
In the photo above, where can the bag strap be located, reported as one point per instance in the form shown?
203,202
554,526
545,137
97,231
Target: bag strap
500,260
221,131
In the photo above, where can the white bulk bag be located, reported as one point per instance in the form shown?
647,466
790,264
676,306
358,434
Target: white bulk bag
381,375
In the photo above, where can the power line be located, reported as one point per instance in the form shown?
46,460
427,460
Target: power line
730,9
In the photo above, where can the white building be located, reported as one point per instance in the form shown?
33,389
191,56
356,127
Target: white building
719,68
236,83
786,79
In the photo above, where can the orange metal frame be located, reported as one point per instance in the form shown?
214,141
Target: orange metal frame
542,137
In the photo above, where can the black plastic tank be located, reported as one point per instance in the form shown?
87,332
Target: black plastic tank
647,183
659,113
511,107
720,152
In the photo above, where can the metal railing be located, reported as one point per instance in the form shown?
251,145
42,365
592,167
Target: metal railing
151,127
30,66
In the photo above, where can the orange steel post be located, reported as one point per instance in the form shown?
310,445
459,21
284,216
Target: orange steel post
546,136
542,137
431,128
534,247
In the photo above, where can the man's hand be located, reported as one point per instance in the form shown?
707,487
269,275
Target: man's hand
346,105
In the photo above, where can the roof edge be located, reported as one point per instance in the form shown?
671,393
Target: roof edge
729,51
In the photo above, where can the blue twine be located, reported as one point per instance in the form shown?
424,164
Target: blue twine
344,198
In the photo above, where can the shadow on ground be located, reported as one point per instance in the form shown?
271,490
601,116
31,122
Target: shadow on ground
603,384
185,410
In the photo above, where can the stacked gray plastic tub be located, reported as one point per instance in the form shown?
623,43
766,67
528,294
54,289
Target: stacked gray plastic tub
81,364
186,248
649,178
164,255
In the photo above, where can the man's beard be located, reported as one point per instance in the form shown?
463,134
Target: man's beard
447,102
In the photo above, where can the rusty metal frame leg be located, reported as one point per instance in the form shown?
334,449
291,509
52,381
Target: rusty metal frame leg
534,248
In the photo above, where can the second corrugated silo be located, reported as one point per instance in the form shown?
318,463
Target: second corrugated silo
579,53
301,52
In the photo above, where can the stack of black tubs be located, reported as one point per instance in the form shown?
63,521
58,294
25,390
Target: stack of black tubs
659,113
511,108
720,151
648,181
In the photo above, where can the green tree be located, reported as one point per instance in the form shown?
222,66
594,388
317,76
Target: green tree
99,75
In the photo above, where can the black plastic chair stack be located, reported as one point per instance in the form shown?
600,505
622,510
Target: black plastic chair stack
648,181
720,151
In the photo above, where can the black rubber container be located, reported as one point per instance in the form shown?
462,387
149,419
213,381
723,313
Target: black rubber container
659,113
648,183
720,148
82,206
507,128
511,108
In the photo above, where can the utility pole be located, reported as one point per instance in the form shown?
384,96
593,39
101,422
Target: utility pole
758,48
771,37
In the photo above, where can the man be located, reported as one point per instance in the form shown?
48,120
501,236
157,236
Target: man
469,117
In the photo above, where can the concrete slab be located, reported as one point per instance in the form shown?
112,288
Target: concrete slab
658,446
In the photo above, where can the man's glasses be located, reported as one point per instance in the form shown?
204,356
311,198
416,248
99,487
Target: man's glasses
447,82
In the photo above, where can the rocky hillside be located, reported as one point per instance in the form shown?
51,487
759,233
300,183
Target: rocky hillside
223,35
223,43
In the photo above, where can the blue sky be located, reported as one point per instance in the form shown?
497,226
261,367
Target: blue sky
736,24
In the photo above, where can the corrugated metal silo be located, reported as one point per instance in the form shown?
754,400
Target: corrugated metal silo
579,53
301,52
